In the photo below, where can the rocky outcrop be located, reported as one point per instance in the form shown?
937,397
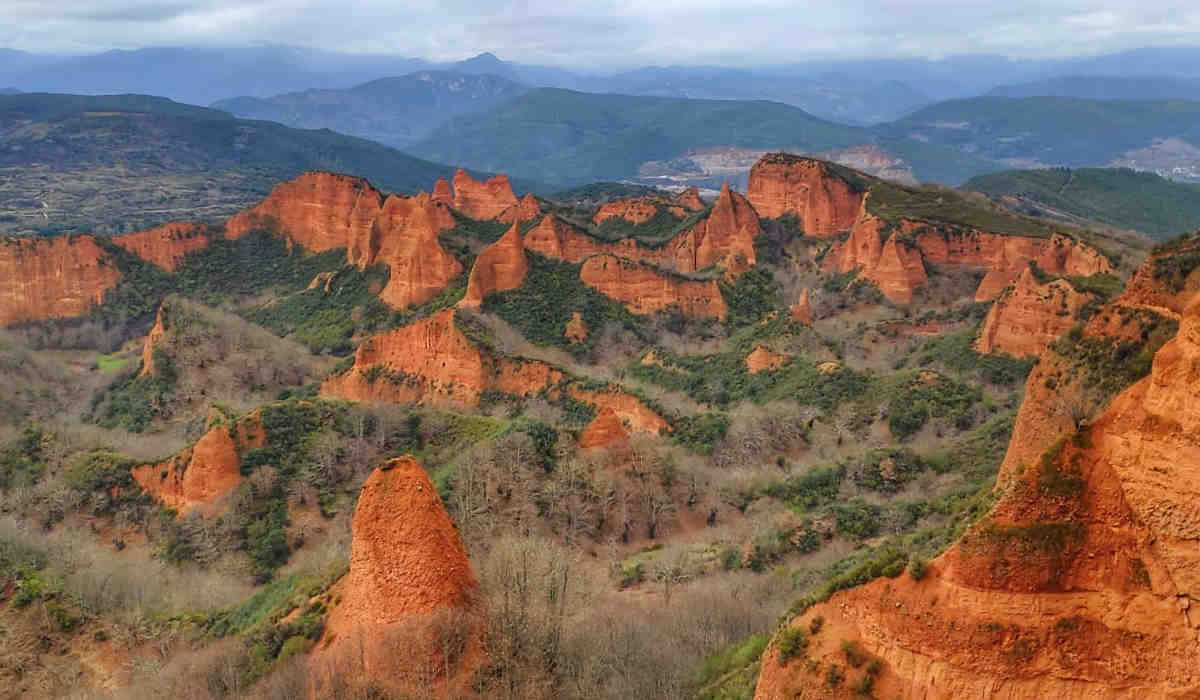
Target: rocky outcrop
725,238
482,200
405,238
500,267
527,209
1081,582
432,362
899,270
1029,316
45,278
637,210
689,200
801,311
645,290
323,211
577,330
761,360
157,332
628,408
442,192
200,476
605,430
406,621
824,202
166,246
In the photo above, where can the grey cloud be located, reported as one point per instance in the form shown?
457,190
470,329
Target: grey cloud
585,35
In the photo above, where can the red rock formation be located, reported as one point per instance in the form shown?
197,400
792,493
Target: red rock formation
644,290
761,359
689,199
627,407
527,209
634,210
725,238
166,245
577,330
825,203
482,200
405,238
498,268
410,590
1003,257
432,362
44,278
1029,316
153,338
323,211
801,312
442,192
606,430
205,472
1081,582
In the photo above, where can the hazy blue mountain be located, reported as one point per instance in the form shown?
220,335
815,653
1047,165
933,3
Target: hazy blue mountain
1096,87
9,91
392,111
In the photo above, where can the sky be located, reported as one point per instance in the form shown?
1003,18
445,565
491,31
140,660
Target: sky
612,34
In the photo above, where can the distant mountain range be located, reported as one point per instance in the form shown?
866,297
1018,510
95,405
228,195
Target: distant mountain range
1093,87
849,91
9,91
392,111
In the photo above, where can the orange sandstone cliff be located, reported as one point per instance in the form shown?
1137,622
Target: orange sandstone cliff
801,310
605,430
725,238
166,245
201,475
761,360
406,620
644,290
1027,317
46,278
1081,582
323,211
157,332
637,210
499,268
432,362
825,203
482,200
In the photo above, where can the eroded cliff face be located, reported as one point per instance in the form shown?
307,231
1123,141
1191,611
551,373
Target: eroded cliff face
825,203
1029,316
432,362
637,210
324,211
527,209
499,267
801,310
894,256
200,476
605,430
725,238
406,620
576,330
1081,582
628,408
645,290
46,278
166,246
483,200
153,338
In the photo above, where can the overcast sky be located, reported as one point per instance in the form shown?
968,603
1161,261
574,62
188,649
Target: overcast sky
613,34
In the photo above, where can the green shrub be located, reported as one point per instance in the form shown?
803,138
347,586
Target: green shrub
917,568
834,676
792,643
22,460
855,656
700,433
751,297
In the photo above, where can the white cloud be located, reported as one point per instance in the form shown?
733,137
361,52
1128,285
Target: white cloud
614,34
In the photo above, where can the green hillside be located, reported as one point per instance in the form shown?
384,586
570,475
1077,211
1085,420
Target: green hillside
117,163
1052,130
573,138
1118,197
